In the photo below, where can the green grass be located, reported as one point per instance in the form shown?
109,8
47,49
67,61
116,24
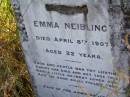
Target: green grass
14,78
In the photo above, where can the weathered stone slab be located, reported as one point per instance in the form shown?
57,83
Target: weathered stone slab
76,48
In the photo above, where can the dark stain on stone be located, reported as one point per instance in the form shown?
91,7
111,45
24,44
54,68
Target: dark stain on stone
127,22
129,60
129,39
125,6
67,10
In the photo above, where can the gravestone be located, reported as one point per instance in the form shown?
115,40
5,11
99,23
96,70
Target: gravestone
76,48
